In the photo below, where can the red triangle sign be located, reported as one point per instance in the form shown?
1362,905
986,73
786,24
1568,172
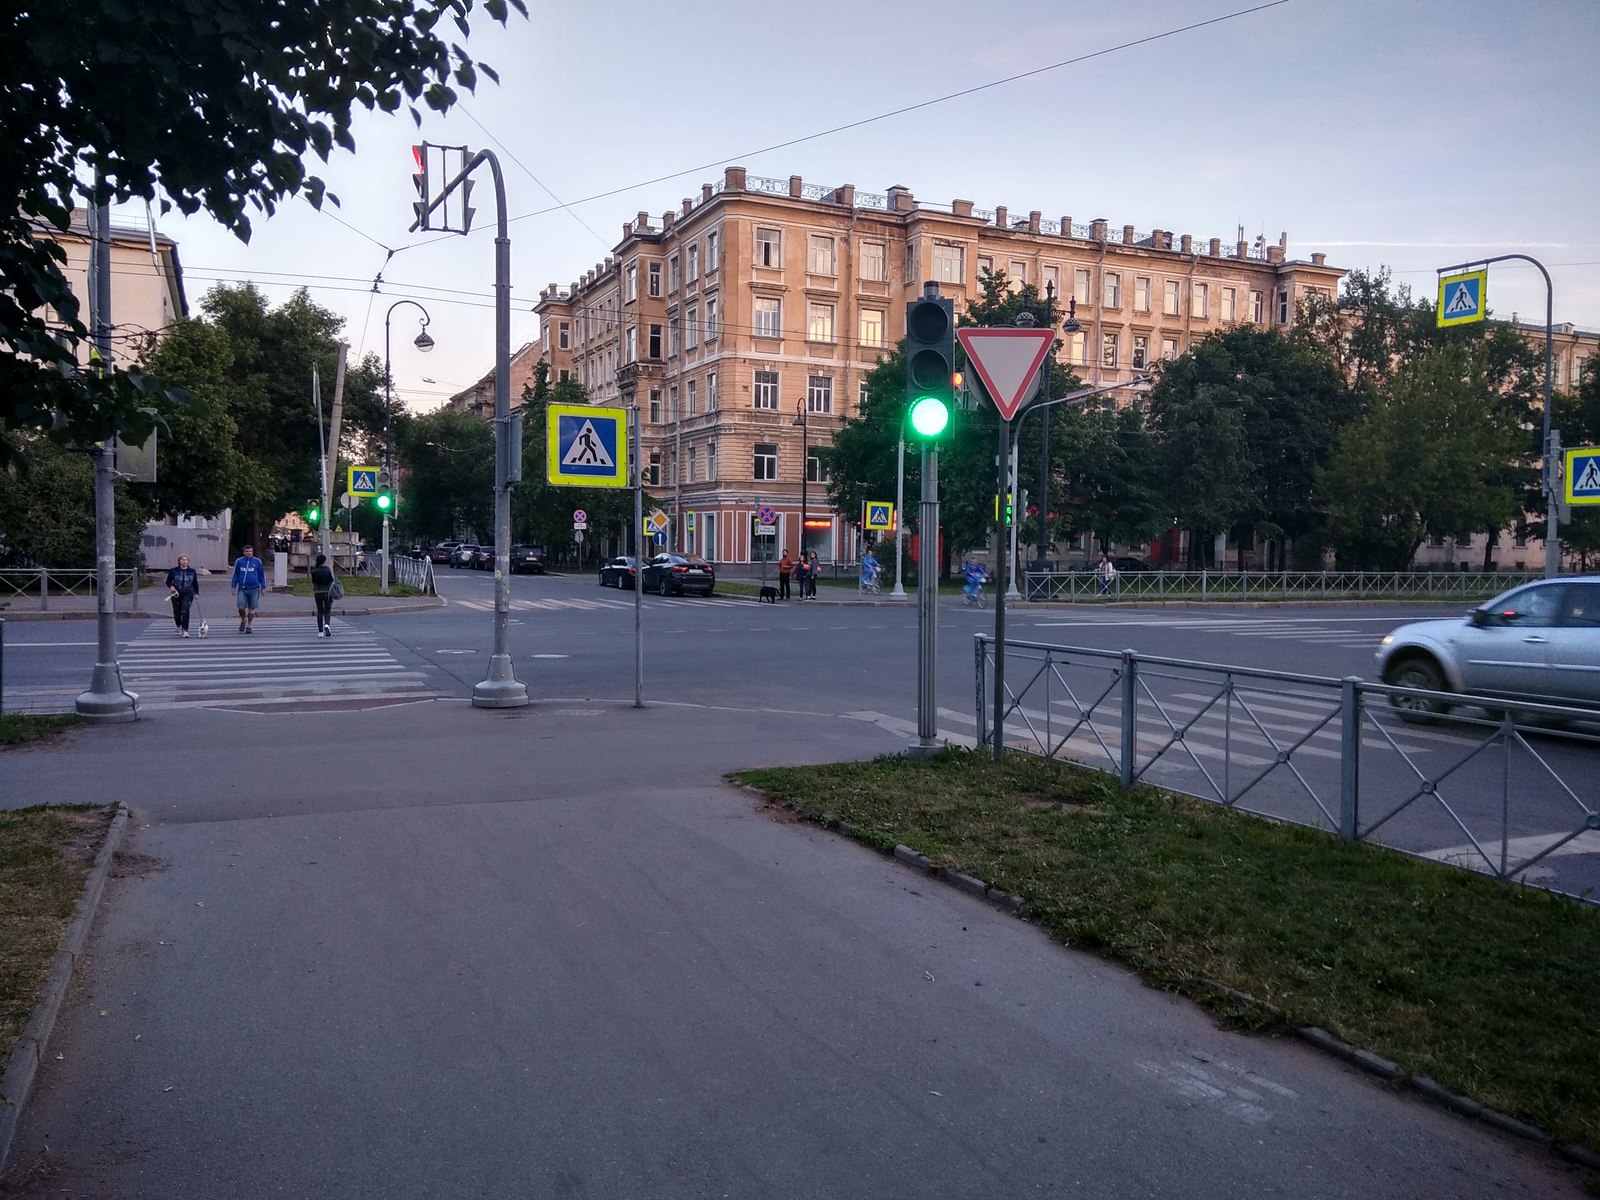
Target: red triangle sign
1007,361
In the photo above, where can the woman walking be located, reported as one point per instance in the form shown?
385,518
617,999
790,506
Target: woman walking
322,592
183,585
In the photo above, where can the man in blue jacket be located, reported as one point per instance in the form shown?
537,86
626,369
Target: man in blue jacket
249,578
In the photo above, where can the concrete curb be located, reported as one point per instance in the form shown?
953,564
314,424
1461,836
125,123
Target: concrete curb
1373,1064
17,1082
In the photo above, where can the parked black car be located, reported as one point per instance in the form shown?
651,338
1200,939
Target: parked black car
482,558
1128,563
527,560
675,574
620,572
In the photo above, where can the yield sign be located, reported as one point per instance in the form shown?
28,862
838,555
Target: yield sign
1007,361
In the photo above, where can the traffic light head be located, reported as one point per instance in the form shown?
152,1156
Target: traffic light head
313,513
419,178
930,363
385,496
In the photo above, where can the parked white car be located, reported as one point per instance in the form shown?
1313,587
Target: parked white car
1539,642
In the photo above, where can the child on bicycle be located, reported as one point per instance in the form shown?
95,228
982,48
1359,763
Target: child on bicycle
976,577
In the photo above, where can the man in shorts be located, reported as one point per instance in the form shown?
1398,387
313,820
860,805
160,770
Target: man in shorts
249,578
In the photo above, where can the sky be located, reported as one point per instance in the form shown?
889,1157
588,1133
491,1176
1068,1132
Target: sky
1407,134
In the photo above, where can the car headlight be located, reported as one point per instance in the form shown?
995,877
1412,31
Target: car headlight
1386,639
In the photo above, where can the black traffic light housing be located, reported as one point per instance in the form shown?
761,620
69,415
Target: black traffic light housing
385,499
930,362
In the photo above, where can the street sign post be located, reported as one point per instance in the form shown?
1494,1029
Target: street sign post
879,516
586,446
1582,475
363,481
1463,298
1007,362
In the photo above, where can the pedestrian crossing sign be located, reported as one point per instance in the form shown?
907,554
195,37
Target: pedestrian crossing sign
586,446
1462,298
363,481
880,514
1583,475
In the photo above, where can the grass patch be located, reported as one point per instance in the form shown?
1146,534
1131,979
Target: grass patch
354,585
45,856
17,728
1488,988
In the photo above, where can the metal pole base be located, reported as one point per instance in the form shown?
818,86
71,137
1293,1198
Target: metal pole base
922,751
502,689
899,593
105,701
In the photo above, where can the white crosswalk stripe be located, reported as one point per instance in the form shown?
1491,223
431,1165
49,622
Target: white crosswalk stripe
1314,630
281,666
555,605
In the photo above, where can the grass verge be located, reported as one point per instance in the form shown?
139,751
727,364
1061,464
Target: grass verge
1487,988
17,728
354,585
45,856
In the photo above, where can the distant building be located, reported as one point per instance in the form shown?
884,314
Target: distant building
479,398
765,299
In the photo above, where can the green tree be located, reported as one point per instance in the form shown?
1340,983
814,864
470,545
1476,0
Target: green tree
1110,485
47,509
134,93
1578,418
447,476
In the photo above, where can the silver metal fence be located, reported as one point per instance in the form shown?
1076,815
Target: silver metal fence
1271,585
1515,795
43,582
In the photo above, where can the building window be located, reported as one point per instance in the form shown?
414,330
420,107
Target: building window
1169,348
694,263
872,327
1169,297
655,406
766,390
713,255
985,265
673,277
693,465
1200,305
949,263
819,394
564,335
1283,306
1018,272
1141,293
819,254
1258,308
691,398
1230,304
655,342
816,469
769,248
691,327
633,282
655,469
1108,350
711,461
1141,351
655,280
1080,285
711,318
874,262
819,322
672,405
1113,290
769,316
565,375
633,344
674,335
711,391
1078,349
766,461
861,395
1052,281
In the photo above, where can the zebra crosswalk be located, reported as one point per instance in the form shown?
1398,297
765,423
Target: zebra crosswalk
280,667
1356,632
552,604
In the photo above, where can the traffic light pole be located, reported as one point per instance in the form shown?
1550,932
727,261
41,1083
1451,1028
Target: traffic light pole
927,743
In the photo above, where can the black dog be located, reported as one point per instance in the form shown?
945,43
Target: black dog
769,595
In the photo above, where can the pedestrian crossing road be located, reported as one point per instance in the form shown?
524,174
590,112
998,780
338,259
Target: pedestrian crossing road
281,667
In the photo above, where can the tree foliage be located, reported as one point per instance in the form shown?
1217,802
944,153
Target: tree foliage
47,509
197,104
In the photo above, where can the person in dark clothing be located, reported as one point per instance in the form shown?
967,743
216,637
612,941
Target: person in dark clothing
785,568
321,586
183,585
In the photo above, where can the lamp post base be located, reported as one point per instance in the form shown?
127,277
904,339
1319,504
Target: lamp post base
502,689
920,751
105,702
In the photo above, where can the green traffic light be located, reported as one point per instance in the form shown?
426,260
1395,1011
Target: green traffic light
385,502
930,416
313,515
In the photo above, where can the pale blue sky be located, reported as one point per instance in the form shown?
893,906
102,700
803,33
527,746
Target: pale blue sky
1408,133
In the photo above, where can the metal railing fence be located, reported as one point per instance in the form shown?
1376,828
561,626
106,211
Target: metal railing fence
1271,585
1504,795
19,583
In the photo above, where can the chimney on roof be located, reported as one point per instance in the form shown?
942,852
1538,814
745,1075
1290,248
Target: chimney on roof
733,179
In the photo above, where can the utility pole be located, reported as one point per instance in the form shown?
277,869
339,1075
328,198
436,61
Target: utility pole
106,700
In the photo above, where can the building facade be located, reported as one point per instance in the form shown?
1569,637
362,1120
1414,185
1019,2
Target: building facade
743,325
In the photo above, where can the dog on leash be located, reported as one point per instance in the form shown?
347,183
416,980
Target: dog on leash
205,627
769,595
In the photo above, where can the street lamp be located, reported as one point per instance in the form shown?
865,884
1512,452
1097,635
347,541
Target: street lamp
805,468
423,343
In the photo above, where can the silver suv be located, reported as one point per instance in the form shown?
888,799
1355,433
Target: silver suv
1538,642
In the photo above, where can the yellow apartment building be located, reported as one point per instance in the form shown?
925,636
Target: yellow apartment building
744,323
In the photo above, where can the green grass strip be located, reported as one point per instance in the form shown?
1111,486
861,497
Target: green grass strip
1486,987
17,728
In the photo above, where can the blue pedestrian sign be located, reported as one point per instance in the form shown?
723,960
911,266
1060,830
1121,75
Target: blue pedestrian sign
1583,475
586,446
363,481
880,514
1462,298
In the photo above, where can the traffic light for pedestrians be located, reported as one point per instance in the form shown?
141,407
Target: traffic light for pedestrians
930,364
385,499
313,513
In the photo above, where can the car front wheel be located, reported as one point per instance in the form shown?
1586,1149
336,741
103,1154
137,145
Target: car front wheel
1423,674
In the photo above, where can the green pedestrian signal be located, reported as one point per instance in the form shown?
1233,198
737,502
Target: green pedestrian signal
313,513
